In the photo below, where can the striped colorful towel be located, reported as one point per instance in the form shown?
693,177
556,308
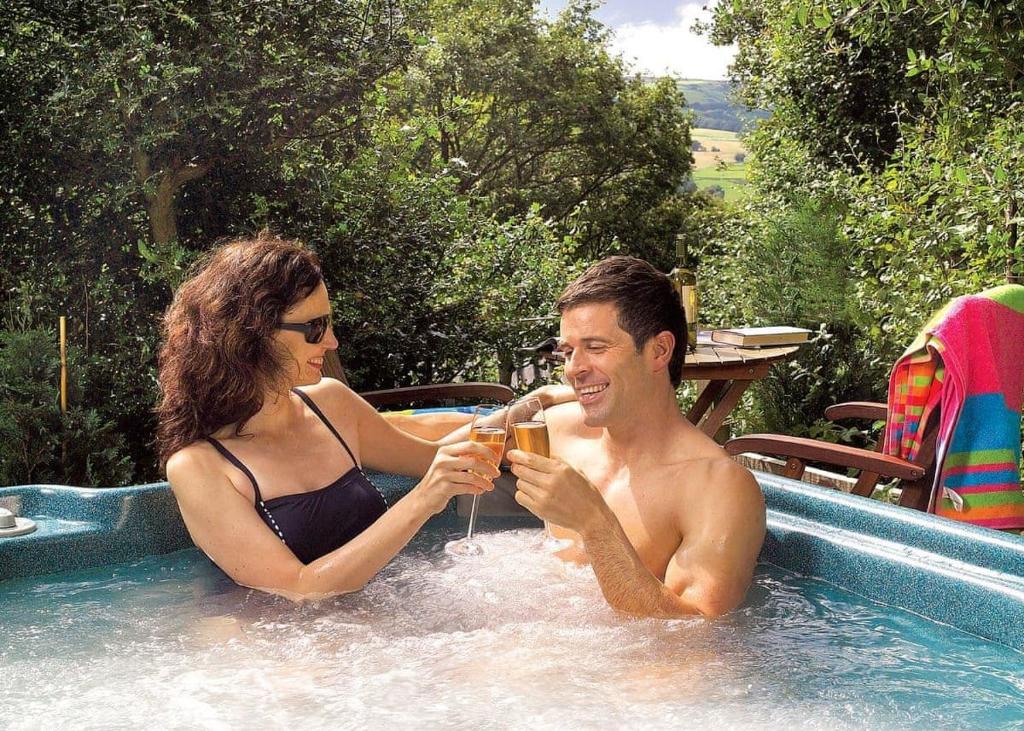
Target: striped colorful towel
968,360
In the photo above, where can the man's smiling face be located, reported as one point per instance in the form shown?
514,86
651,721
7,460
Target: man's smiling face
601,362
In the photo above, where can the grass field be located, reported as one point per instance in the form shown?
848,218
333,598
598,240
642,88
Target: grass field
706,170
727,143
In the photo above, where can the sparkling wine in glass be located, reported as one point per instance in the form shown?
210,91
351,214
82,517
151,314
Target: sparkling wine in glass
530,430
488,428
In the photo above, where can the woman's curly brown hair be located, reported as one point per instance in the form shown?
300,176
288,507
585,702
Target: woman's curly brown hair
219,357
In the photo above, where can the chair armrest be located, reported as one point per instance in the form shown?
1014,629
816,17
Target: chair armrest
871,410
812,450
477,391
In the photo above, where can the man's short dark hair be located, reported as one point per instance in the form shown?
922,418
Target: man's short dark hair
645,299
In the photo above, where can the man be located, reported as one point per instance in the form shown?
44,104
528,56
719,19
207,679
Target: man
671,525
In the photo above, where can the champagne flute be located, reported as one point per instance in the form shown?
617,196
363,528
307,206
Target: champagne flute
488,429
530,430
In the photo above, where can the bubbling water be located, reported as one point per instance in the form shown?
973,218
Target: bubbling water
507,639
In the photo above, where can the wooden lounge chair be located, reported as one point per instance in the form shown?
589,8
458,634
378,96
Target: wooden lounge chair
472,391
915,477
964,362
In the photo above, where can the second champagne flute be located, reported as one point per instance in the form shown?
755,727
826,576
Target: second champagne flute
530,429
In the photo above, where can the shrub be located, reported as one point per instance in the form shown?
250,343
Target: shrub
38,444
777,263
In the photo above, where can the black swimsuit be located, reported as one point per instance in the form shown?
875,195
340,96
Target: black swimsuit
314,523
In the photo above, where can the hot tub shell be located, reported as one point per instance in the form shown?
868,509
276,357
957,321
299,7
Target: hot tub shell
968,577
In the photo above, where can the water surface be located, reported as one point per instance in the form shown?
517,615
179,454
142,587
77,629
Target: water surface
509,639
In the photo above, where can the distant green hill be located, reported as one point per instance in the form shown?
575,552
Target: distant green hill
714,108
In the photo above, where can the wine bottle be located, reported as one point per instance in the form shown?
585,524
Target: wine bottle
685,280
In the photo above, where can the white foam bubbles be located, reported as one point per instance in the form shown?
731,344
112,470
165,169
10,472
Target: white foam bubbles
507,639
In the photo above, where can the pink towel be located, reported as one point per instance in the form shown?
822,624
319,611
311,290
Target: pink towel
969,361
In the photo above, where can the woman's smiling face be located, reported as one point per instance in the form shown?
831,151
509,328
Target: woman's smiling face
307,358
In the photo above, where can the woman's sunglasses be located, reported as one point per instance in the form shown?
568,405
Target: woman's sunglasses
314,330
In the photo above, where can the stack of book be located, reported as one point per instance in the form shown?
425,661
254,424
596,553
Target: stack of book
760,337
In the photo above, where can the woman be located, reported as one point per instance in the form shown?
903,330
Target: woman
265,456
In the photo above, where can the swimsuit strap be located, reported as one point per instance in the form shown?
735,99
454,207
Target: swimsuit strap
316,410
237,463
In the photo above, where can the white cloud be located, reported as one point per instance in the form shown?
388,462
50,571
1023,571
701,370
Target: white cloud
675,49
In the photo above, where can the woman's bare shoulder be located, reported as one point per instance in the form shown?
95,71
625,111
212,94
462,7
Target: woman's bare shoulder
197,460
330,392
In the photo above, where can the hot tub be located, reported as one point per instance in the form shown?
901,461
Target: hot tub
861,615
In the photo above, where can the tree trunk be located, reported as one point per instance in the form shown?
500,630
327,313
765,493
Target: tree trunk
163,221
160,189
506,366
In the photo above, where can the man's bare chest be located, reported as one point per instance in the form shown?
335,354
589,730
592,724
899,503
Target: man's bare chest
645,502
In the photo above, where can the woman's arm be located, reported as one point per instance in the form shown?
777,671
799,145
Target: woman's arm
380,444
383,443
227,528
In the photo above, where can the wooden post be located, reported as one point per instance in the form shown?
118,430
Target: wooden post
1013,276
63,366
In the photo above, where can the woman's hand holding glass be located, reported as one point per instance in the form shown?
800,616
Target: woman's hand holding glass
463,468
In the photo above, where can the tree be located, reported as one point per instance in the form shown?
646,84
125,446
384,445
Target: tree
909,116
530,111
166,93
119,116
434,153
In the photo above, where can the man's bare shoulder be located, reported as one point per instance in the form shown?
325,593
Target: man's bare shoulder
566,420
723,488
730,475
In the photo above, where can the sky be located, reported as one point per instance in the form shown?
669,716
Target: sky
656,36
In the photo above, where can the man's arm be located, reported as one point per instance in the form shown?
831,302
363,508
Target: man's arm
722,539
431,426
710,571
627,584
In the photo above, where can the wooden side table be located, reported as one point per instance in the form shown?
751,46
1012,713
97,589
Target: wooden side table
728,371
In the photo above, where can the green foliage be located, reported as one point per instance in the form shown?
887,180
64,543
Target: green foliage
428,288
909,117
797,269
393,234
508,274
37,443
840,96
